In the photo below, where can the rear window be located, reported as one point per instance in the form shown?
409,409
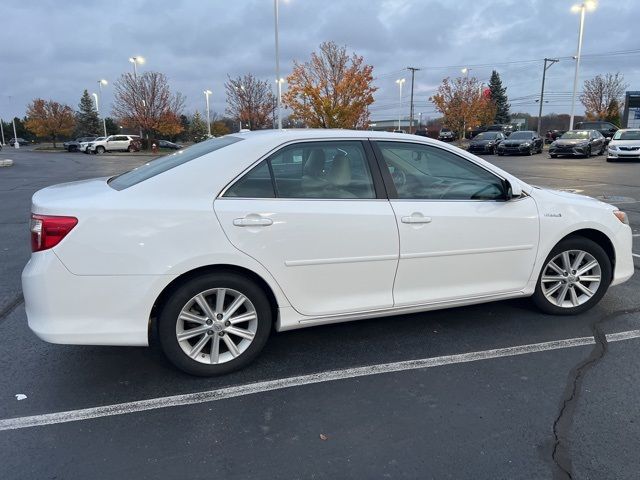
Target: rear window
162,164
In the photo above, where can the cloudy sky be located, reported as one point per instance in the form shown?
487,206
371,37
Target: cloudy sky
55,49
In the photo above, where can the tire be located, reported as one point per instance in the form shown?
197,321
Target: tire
530,152
209,286
587,153
100,150
130,149
568,306
553,155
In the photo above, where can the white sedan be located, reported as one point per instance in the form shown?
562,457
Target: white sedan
625,145
214,245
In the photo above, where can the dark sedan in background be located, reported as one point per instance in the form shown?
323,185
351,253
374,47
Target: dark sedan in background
74,145
486,142
578,143
607,129
168,144
525,142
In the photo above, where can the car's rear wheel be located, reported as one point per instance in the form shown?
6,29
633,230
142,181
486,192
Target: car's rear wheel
214,324
131,149
100,150
575,276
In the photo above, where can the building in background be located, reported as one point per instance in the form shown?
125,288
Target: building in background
631,115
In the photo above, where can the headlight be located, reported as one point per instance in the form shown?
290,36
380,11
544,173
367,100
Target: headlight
612,147
582,144
526,144
620,215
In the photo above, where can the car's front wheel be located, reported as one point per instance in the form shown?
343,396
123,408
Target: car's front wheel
100,150
214,324
575,276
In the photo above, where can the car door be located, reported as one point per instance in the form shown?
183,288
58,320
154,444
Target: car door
459,238
315,215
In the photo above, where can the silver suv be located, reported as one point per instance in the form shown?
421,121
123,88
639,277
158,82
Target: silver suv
115,143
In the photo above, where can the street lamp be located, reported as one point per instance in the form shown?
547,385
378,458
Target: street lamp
276,15
579,8
206,96
104,121
400,82
136,61
280,81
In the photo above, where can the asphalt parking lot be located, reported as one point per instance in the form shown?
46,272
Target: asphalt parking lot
490,391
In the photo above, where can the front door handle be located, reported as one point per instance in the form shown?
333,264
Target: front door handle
416,218
252,221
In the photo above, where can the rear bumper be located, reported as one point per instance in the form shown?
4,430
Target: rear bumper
87,310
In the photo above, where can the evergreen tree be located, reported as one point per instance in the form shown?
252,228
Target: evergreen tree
499,96
198,128
112,127
87,121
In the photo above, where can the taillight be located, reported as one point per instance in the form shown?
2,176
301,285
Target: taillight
47,231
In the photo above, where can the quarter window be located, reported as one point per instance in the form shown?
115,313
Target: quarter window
427,172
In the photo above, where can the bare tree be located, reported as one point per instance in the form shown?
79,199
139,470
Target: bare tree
250,101
146,102
601,94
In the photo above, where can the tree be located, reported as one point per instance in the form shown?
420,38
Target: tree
602,94
332,90
250,101
462,104
498,95
613,112
87,120
197,128
47,118
219,128
112,127
146,102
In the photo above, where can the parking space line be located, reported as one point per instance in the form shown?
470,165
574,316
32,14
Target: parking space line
289,382
635,255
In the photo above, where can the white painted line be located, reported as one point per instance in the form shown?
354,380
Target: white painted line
636,235
321,377
635,255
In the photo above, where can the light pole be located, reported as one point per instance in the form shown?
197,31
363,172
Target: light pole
400,82
465,71
206,96
551,61
582,8
104,121
2,130
278,79
137,60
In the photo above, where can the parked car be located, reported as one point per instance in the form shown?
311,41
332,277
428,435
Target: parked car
423,132
607,129
21,141
486,142
210,279
507,129
552,135
578,143
447,135
625,145
399,131
168,144
115,143
74,145
84,146
476,131
522,142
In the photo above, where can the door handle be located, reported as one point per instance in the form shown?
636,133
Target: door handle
252,222
416,218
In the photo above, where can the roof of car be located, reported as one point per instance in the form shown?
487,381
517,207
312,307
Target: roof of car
320,133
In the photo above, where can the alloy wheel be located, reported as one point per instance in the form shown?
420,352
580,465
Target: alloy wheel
571,278
216,326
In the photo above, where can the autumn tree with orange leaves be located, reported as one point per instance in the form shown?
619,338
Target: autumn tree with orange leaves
332,90
462,103
48,118
145,102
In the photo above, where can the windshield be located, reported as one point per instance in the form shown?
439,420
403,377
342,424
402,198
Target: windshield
162,164
627,135
521,136
486,136
576,134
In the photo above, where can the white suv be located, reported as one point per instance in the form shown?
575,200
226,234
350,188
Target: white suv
114,143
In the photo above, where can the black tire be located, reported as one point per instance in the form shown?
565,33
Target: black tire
100,150
171,309
586,245
587,153
553,155
130,149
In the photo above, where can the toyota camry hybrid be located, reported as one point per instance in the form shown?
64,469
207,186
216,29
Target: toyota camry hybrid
212,247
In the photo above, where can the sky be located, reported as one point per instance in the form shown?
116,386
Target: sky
55,49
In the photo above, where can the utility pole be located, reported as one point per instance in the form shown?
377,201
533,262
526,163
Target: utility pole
413,73
2,130
551,61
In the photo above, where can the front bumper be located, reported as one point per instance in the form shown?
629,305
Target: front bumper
87,310
520,149
570,151
623,245
623,154
481,148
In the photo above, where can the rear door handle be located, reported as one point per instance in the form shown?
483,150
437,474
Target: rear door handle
251,221
416,218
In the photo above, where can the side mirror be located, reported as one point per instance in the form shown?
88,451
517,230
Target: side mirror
511,191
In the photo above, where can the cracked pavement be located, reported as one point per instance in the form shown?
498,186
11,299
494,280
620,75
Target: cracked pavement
566,413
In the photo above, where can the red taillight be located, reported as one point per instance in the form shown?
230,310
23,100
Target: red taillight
47,231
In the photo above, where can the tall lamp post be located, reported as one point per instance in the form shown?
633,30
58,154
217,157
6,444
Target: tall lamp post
206,96
278,79
465,71
400,82
550,61
137,60
104,121
579,8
